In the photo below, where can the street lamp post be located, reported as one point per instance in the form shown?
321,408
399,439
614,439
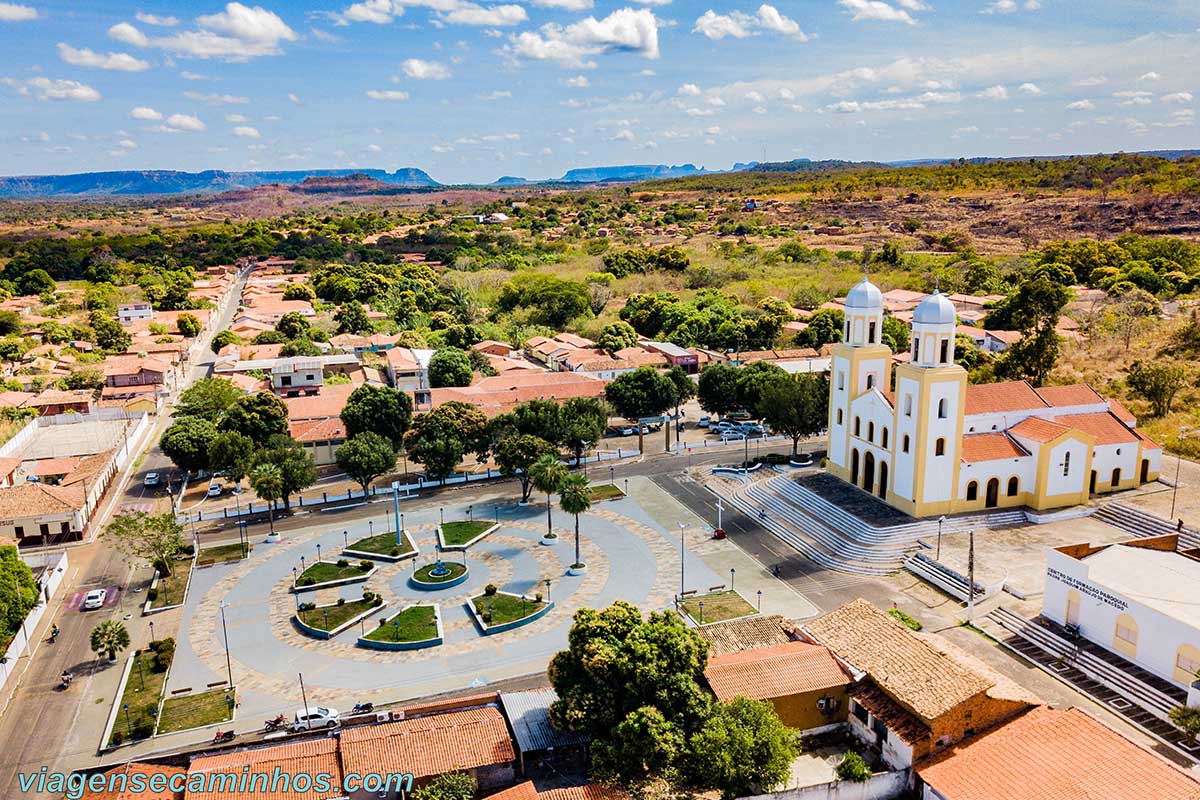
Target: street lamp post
682,552
151,630
225,632
370,527
318,552
732,572
547,590
141,674
938,554
612,474
441,515
346,539
128,723
760,600
720,508
627,487
1178,460
701,612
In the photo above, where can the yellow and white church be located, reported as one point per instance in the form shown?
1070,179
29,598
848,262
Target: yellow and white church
938,445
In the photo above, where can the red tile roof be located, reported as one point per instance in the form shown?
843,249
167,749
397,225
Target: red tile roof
778,671
312,758
522,791
431,745
1048,754
591,791
1076,394
119,781
995,398
989,447
1103,427
327,403
1121,412
1038,429
319,430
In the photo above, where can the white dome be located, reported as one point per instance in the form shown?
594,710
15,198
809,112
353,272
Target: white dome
935,310
864,295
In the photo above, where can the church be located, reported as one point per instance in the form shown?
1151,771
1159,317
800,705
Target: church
937,445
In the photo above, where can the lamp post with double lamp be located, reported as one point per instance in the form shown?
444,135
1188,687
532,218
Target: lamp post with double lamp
1183,432
152,631
732,572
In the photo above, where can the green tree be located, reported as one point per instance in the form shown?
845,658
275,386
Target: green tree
1157,382
824,327
110,336
293,325
19,593
188,325
852,768
36,281
378,409
1032,358
187,443
142,537
516,454
796,406
895,334
299,291
13,349
617,336
1131,310
109,638
269,337
440,438
449,367
1187,720
207,398
546,299
644,746
83,378
267,482
718,389
753,380
352,318
447,786
742,749
232,453
575,497
644,392
685,389
10,323
299,347
548,474
366,456
297,470
258,416
583,420
223,338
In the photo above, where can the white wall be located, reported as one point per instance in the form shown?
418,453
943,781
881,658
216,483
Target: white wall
939,470
982,471
839,389
883,786
1076,477
1107,457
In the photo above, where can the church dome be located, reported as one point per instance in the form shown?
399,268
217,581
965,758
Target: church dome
864,295
935,310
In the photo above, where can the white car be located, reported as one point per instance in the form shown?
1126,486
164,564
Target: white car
214,489
94,599
316,717
151,479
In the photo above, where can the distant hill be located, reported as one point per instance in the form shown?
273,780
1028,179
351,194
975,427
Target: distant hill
631,172
155,182
509,180
808,165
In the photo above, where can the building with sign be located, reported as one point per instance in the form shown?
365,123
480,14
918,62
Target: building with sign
1137,598
929,443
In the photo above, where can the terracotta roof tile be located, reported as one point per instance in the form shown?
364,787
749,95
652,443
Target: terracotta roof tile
1076,394
327,403
921,677
55,466
522,791
120,777
1103,427
319,430
1048,754
431,745
736,635
996,398
989,447
1038,429
1121,412
905,724
591,791
314,757
33,499
778,671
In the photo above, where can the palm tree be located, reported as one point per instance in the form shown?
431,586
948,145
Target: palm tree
267,482
547,475
575,497
109,637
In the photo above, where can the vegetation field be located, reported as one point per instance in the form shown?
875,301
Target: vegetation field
196,710
497,609
605,491
141,695
225,553
328,618
384,544
171,589
413,624
325,571
718,607
459,532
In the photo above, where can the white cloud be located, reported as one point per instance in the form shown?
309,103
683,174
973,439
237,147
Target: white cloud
143,112
236,118
154,19
754,97
876,10
1029,88
183,122
770,19
496,95
239,33
1177,97
421,70
1081,105
11,12
578,82
442,148
994,93
1092,80
374,148
83,57
1001,7
1129,98
739,25
127,144
192,76
493,16
624,30
625,135
689,90
246,132
1150,76
566,5
386,94
379,12
217,99
294,99
461,12
51,89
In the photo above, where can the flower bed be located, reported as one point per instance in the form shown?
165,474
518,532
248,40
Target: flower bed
324,574
421,579
605,491
461,534
141,690
383,547
415,627
190,711
503,611
327,621
224,554
718,607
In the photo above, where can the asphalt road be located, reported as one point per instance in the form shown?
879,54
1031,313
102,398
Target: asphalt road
43,724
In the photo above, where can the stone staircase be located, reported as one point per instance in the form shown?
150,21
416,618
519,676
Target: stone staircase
941,576
1143,524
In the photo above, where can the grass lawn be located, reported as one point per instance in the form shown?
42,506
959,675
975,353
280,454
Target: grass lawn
605,491
224,553
323,571
195,710
417,624
171,589
384,544
423,575
718,606
338,615
142,699
462,531
505,608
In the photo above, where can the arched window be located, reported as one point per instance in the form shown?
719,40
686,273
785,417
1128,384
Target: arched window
945,350
904,444
857,426
871,432
1013,486
939,447
942,408
871,333
916,348
1066,463
839,417
973,490
871,381
884,437
1116,477
841,380
908,405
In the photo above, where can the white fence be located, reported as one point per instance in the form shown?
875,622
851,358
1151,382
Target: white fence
52,576
18,442
883,786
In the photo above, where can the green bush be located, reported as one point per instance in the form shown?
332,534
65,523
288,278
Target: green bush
853,768
164,656
117,737
306,581
395,551
143,730
538,597
342,562
365,565
341,601
448,786
490,589
152,595
905,619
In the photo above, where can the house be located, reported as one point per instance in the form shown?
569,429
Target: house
747,633
118,783
128,313
1136,598
321,438
273,307
1054,754
472,740
61,401
313,761
408,371
53,470
999,341
491,347
606,368
687,360
588,791
41,513
917,694
502,392
528,714
298,376
937,445
131,370
8,471
805,683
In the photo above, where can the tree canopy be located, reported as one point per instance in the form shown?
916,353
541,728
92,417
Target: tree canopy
644,392
450,367
258,416
378,409
365,456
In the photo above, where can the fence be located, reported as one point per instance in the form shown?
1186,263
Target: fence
55,568
883,786
459,479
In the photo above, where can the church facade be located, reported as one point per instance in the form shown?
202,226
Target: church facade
937,445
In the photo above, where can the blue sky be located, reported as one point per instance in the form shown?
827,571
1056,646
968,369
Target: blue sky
470,90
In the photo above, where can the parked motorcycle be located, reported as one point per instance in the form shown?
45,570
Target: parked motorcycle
66,679
223,736
275,724
362,708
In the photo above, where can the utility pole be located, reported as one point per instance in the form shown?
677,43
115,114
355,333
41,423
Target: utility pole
971,577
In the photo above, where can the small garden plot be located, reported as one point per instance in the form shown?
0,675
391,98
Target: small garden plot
143,689
605,491
171,588
413,624
718,607
500,608
224,553
196,710
428,573
384,544
331,617
459,532
326,571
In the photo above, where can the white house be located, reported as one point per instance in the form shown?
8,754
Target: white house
128,313
293,377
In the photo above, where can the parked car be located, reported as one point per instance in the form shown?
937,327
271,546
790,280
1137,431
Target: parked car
751,429
94,599
316,717
703,422
628,430
151,479
214,489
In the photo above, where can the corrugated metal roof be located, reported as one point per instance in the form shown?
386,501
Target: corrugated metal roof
529,715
